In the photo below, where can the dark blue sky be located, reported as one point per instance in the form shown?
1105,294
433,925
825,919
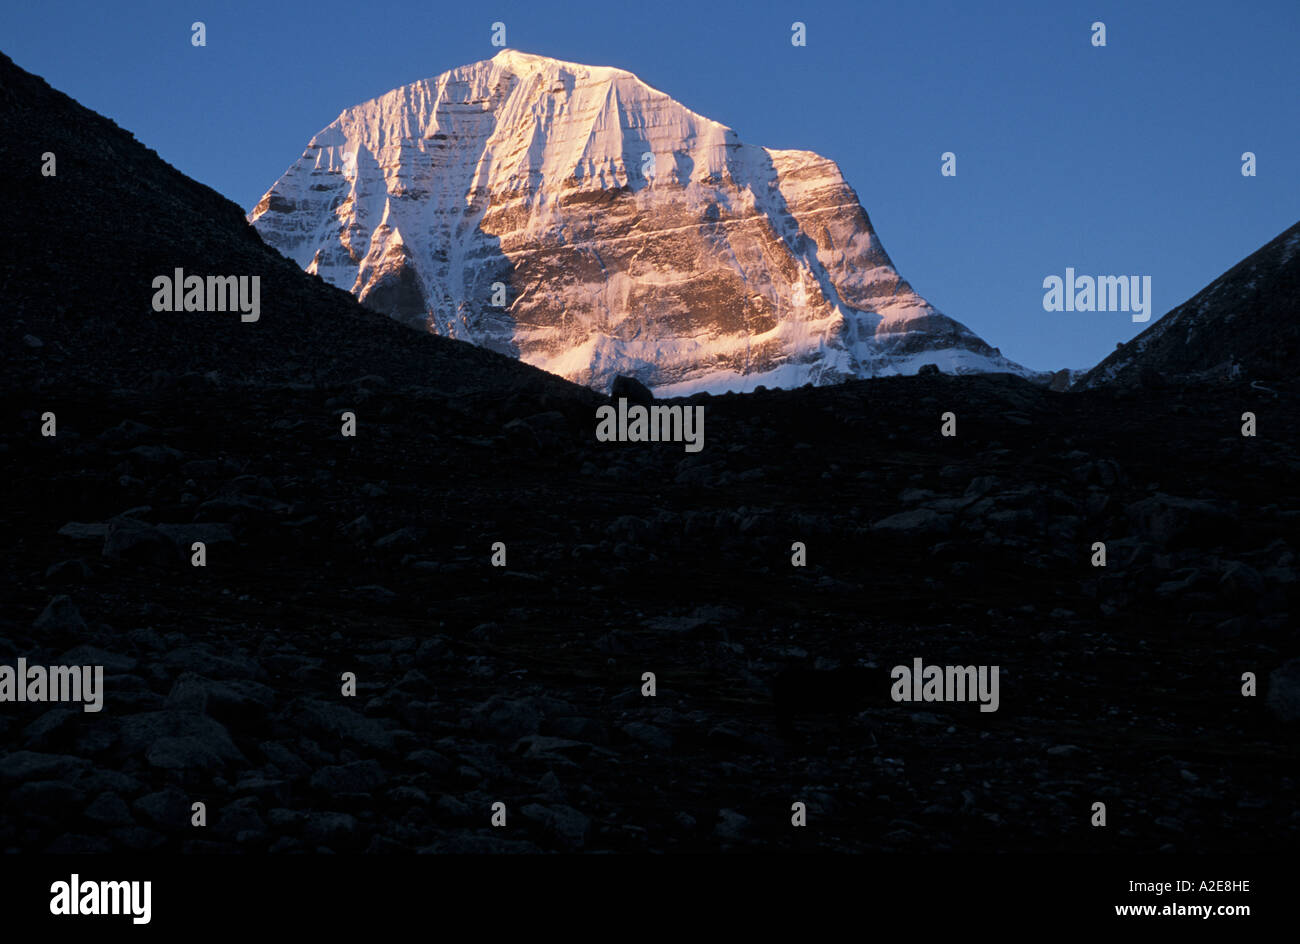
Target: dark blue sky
1123,160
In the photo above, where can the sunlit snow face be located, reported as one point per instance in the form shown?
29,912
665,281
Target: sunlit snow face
635,236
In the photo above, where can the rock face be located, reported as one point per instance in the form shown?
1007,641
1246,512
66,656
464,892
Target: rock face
576,218
1245,325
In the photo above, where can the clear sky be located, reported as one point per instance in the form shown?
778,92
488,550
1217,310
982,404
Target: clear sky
1123,160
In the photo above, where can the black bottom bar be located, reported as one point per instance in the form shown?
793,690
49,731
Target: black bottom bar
338,894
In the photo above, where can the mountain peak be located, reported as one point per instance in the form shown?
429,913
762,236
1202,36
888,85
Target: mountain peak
591,225
520,61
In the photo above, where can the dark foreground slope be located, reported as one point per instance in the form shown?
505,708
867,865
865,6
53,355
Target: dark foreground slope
1245,324
82,249
522,684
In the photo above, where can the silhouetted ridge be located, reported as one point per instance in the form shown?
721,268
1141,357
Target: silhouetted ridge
1244,325
85,245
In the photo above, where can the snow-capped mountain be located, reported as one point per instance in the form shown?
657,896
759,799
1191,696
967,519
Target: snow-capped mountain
578,219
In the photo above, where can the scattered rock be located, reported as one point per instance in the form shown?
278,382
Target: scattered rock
647,735
60,616
130,540
1284,690
363,776
563,822
631,389
917,522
